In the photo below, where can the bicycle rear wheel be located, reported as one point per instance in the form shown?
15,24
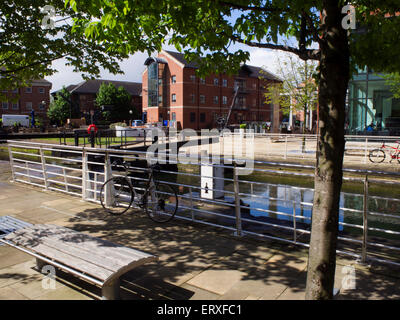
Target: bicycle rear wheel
161,203
377,156
116,195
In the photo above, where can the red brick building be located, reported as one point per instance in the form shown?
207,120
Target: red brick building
83,94
24,100
172,91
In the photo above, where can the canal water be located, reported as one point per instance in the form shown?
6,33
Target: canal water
273,199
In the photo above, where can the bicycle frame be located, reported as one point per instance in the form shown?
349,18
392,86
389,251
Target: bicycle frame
148,187
394,152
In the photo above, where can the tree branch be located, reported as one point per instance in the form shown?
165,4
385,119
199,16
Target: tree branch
244,7
6,72
305,54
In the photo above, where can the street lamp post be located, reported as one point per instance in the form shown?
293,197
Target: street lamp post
130,116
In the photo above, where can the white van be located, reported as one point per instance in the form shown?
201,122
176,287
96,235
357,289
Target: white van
9,120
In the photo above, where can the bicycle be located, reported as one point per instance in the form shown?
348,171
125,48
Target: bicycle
379,155
159,200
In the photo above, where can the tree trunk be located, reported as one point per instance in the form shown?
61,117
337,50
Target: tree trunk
334,77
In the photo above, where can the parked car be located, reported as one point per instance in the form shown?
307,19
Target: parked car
137,123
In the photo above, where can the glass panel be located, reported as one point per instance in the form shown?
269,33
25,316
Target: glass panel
152,71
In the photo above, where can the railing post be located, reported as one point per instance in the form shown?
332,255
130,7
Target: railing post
65,181
109,188
10,156
285,147
238,231
84,174
365,222
366,150
43,160
191,203
294,222
27,171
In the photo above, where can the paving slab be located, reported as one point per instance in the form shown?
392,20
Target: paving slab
216,281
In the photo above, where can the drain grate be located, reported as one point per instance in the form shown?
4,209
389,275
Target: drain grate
10,224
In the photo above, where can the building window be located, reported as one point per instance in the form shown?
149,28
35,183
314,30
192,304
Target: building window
215,99
202,117
193,78
15,91
15,106
160,98
28,90
224,100
160,82
202,98
202,81
215,81
173,79
41,106
5,105
29,106
173,116
192,98
41,90
192,117
224,82
173,97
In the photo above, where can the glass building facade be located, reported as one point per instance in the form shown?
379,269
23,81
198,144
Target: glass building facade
371,108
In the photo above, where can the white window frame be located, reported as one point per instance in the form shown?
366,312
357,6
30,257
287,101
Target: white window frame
173,97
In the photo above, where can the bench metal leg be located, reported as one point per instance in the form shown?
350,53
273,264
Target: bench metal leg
110,291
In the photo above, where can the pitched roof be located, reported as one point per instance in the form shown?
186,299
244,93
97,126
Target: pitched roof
245,69
93,86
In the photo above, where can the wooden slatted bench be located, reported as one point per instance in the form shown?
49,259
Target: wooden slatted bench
95,260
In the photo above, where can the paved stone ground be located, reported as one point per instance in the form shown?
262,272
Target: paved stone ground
195,262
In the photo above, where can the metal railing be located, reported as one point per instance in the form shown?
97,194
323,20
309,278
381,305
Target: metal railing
367,230
286,146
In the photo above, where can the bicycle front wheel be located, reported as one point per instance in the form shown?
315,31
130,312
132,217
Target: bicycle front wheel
377,156
116,195
161,203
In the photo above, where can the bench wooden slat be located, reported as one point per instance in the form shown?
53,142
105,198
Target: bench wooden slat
78,252
108,249
68,260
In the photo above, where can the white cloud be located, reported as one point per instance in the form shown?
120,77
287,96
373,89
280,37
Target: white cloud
268,59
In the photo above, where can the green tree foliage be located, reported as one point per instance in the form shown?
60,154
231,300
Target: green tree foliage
60,109
27,47
211,28
393,80
298,92
117,103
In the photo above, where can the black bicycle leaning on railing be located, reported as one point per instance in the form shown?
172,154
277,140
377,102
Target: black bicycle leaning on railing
159,200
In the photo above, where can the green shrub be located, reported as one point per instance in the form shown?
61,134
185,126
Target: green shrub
243,126
120,124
